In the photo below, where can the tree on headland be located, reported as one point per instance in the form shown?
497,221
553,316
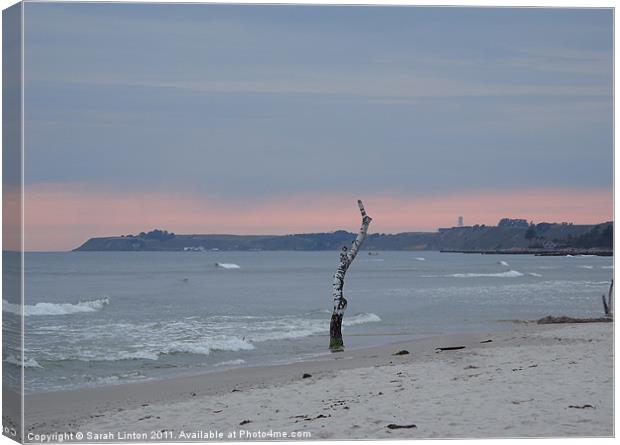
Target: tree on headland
340,303
160,235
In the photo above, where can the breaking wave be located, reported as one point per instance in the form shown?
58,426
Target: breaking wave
203,336
420,259
56,308
361,319
534,274
28,363
227,266
154,351
503,263
236,362
295,327
507,274
221,343
586,267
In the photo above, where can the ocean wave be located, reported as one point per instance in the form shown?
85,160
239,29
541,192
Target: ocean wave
361,319
235,362
607,267
503,263
28,363
420,259
231,344
290,328
227,265
585,266
56,308
112,379
595,283
151,341
507,274
155,351
90,380
534,274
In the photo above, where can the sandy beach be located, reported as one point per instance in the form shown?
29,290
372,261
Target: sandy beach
534,381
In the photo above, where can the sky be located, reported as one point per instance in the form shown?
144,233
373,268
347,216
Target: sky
276,119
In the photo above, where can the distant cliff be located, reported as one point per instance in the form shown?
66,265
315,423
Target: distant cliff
483,238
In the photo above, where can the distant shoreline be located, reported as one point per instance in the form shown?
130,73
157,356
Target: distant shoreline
538,252
543,238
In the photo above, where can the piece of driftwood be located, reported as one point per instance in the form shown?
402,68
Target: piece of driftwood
486,341
403,352
449,348
340,303
552,320
394,426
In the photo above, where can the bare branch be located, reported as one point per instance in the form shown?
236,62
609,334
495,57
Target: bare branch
340,303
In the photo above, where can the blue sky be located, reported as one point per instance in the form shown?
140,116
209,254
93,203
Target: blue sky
261,102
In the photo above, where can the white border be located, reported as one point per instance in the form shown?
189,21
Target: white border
475,3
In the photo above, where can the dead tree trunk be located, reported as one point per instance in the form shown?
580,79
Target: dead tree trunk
608,304
340,303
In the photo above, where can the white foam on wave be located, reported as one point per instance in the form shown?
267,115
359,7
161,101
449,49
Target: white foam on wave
28,363
503,263
204,336
227,265
202,347
607,267
361,319
586,267
534,274
112,379
235,362
155,351
507,274
294,327
420,259
220,343
56,308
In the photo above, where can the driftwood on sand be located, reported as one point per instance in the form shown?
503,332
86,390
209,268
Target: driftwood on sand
449,348
551,320
394,426
340,303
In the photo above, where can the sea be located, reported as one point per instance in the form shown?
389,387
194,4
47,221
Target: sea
107,318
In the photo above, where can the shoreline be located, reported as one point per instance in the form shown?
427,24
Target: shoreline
352,346
263,394
349,358
536,252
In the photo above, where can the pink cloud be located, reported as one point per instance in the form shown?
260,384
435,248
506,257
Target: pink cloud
61,217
